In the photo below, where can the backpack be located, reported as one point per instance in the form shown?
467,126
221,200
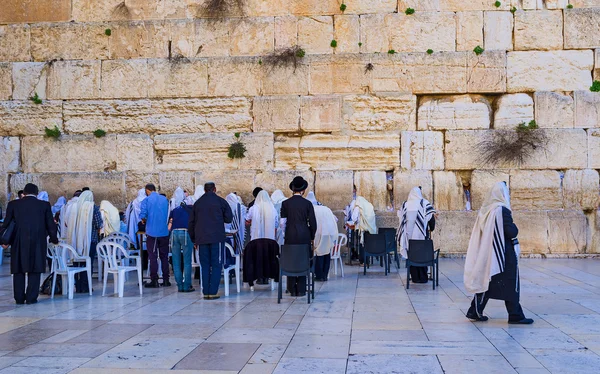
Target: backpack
46,288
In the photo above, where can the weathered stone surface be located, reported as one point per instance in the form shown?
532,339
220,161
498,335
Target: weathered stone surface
346,33
374,34
528,71
567,232
280,180
177,78
533,231
74,80
535,189
364,152
209,151
183,39
557,4
310,7
370,6
565,150
372,185
512,110
287,153
482,182
252,36
339,74
20,118
404,181
135,181
461,112
553,110
71,153
582,29
5,195
91,10
234,77
315,34
597,65
135,152
14,43
497,31
124,79
334,188
35,11
29,78
10,152
422,150
486,73
69,41
288,80
170,180
451,5
541,30
594,232
584,3
593,148
421,31
228,181
320,113
286,31
6,89
587,109
380,112
211,38
580,189
449,192
469,30
276,113
139,40
460,150
453,231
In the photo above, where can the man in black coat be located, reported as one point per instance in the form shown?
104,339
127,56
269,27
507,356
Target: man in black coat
300,227
207,231
33,224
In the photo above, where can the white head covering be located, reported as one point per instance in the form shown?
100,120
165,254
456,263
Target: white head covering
367,220
177,199
85,215
264,217
68,221
43,196
327,230
59,204
485,254
311,197
277,198
110,217
198,192
132,214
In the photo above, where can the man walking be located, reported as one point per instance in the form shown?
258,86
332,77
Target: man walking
207,230
155,214
33,224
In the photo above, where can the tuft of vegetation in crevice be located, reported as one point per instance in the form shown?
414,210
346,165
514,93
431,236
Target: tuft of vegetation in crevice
108,32
595,87
369,67
99,133
122,10
391,52
570,6
343,7
333,44
409,11
220,9
36,99
497,4
478,50
237,149
52,133
283,58
430,51
513,10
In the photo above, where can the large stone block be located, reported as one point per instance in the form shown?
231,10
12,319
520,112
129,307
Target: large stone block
538,30
74,80
209,151
91,10
370,6
584,3
380,112
6,89
170,180
31,11
567,231
287,153
486,73
334,188
593,232
342,152
533,231
286,31
597,65
347,33
10,154
5,195
451,5
556,4
422,150
565,150
339,74
461,112
182,37
469,30
315,34
276,113
374,35
320,113
580,189
234,77
69,41
498,31
553,109
593,137
288,80
372,185
421,31
313,7
139,40
530,71
587,109
135,152
461,149
228,181
280,180
482,182
453,231
582,29
540,189
252,36
71,153
448,191
177,78
512,110
124,79
15,43
28,79
211,38
21,118
135,181
404,181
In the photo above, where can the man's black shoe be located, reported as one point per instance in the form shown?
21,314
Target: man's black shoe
191,289
166,284
152,284
474,317
524,321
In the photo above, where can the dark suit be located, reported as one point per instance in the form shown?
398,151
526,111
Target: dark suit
33,224
300,228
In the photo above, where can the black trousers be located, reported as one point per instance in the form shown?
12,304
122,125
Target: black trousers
33,287
513,307
418,274
322,264
296,285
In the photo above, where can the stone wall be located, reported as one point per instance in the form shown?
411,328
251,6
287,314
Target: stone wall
171,87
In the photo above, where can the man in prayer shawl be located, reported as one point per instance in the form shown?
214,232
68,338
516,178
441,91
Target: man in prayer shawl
58,205
362,219
262,218
43,196
255,194
238,223
68,220
325,237
88,226
132,215
417,220
312,198
177,199
198,193
278,198
110,217
491,266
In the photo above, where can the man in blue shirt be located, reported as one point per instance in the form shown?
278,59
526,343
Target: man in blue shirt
155,214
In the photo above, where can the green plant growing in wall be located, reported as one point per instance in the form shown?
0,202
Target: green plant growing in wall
359,44
595,87
333,43
237,149
283,58
99,133
513,10
108,32
497,4
430,51
369,67
52,133
512,147
409,11
36,99
343,7
391,52
478,50
570,6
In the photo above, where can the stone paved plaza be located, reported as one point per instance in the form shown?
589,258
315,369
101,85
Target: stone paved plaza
356,325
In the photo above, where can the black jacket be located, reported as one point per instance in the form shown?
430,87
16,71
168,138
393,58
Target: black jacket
33,224
301,224
208,219
505,286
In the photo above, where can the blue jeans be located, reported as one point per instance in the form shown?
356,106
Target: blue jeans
182,244
210,261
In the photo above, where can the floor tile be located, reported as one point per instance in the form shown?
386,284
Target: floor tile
457,364
318,346
311,366
396,364
218,356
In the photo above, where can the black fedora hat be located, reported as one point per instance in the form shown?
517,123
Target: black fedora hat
298,184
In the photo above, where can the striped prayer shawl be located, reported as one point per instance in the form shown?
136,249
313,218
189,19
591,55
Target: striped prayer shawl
424,214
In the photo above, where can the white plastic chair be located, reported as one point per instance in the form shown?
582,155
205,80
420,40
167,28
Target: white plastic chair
336,253
235,267
111,253
60,254
196,264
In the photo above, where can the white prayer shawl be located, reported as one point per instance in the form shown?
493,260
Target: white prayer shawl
414,218
177,199
59,204
312,198
85,215
43,196
263,216
367,219
327,230
110,218
278,198
486,252
238,222
132,214
70,222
